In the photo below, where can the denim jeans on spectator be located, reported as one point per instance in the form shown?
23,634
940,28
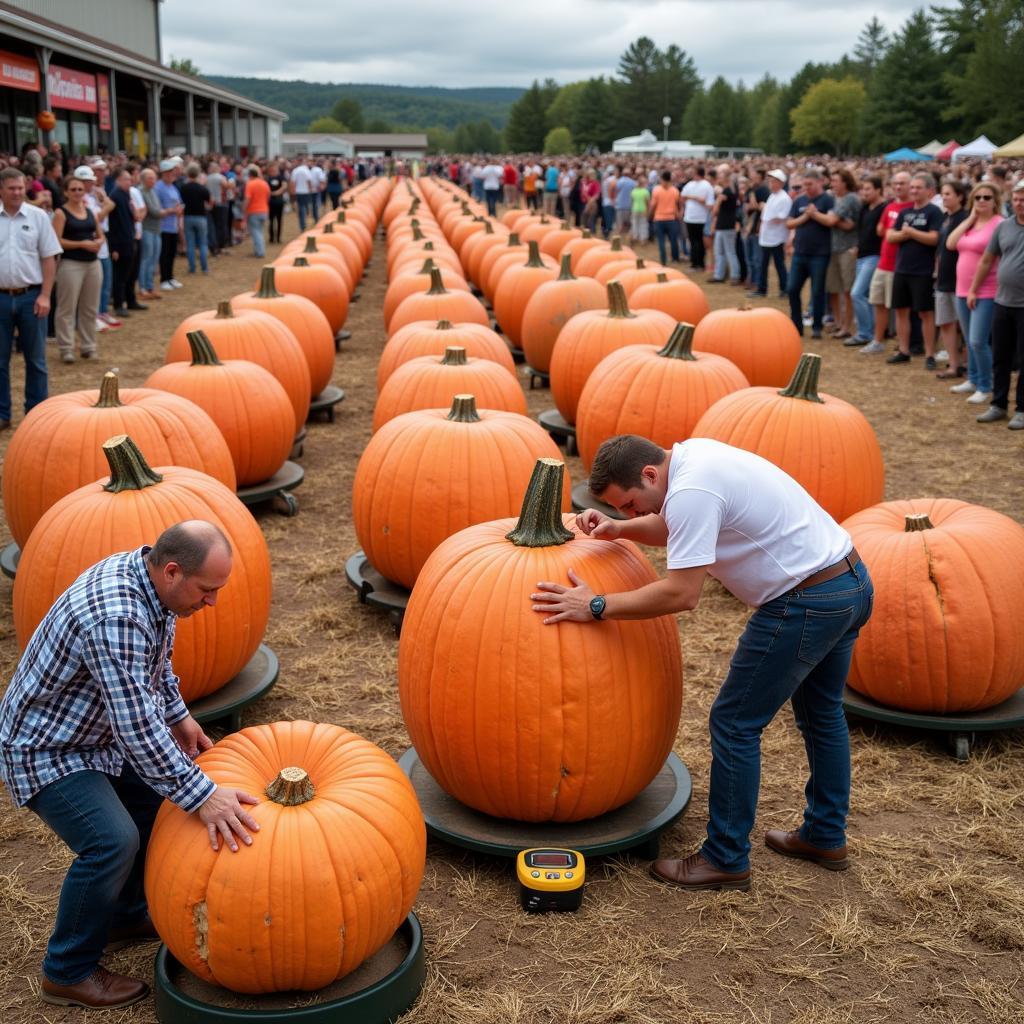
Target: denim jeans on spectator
150,255
753,247
106,822
801,268
976,325
256,224
607,219
773,254
667,229
108,283
491,195
862,308
725,253
304,202
195,239
18,312
796,648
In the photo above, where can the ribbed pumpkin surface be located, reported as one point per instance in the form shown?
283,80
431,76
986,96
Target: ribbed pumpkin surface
681,298
425,338
515,287
416,282
946,632
761,341
323,886
318,284
548,309
439,303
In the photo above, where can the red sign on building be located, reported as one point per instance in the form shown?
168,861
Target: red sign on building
71,90
103,99
18,72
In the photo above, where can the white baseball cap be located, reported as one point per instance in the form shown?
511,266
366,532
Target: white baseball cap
167,165
84,173
778,175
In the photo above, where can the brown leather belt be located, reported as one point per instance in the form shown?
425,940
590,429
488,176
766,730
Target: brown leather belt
830,572
17,291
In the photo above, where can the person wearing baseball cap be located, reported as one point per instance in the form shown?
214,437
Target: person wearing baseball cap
170,208
84,173
773,233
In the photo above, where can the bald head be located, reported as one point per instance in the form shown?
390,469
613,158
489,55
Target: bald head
188,544
189,563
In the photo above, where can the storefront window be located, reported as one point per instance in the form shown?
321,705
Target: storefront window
62,133
81,138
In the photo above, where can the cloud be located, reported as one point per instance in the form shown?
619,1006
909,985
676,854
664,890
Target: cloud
460,43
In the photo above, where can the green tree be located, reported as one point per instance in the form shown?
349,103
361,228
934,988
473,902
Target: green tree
327,124
440,140
726,115
378,126
830,113
871,47
697,125
526,126
594,121
790,97
558,142
765,122
349,111
185,65
638,97
563,108
906,96
478,137
676,82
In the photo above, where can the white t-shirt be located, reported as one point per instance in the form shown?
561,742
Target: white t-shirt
493,176
697,193
318,178
776,208
755,528
138,203
302,179
93,202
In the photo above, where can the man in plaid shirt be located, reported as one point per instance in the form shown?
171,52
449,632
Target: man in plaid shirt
94,733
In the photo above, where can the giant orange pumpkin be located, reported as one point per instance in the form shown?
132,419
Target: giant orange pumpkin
597,256
360,233
554,242
576,247
588,337
424,338
945,635
131,508
318,284
516,286
824,443
303,318
256,336
681,298
428,474
345,246
438,303
431,383
658,393
331,874
476,248
56,448
761,341
249,406
511,245
521,720
417,282
327,256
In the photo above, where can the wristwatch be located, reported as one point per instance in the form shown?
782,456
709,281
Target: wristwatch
597,606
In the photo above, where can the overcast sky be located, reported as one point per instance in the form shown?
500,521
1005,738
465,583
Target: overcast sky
462,43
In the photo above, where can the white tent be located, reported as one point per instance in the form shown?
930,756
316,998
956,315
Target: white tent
981,148
648,142
930,148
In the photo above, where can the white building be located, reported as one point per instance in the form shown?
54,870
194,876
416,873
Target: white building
648,142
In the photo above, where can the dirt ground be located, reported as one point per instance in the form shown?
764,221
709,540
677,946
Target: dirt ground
928,925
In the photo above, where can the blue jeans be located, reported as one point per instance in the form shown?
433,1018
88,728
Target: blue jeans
802,268
667,229
725,252
148,259
108,283
106,822
17,312
607,219
753,249
796,648
777,255
195,239
491,195
862,308
976,325
304,203
257,222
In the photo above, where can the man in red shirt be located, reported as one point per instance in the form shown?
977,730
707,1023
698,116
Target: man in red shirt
880,294
511,182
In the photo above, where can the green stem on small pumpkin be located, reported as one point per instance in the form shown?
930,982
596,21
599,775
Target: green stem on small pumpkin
301,261
129,470
291,787
224,310
203,352
436,282
680,344
428,265
417,235
533,258
917,521
540,519
310,244
616,245
618,304
566,273
662,278
268,286
804,382
454,355
109,398
463,409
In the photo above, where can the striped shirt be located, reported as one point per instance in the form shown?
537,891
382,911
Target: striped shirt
95,688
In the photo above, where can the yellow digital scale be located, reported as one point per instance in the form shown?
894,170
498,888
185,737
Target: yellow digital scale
550,878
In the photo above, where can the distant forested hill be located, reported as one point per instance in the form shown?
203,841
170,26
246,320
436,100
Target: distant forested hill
402,107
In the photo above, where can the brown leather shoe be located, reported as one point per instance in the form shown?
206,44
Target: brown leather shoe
100,991
789,844
121,937
696,873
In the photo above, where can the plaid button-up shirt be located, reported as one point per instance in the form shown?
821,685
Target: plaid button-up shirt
95,688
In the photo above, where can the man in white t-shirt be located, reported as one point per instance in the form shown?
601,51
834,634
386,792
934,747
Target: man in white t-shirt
318,185
493,175
699,194
774,234
301,184
727,513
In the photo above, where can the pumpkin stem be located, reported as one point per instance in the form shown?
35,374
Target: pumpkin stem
129,470
488,228
224,310
680,343
444,325
341,218
108,392
804,382
540,520
566,226
463,409
417,235
454,355
566,273
328,229
268,286
291,788
640,263
587,233
428,265
300,261
428,246
436,283
616,243
203,352
618,305
916,522
310,244
533,258
513,238
662,278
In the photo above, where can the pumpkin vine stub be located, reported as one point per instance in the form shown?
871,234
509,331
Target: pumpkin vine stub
129,470
291,787
268,286
680,343
463,409
454,355
917,521
618,304
540,519
804,382
109,398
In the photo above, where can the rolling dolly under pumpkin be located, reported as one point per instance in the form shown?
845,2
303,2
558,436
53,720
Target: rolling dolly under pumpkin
277,488
322,405
561,430
371,588
225,705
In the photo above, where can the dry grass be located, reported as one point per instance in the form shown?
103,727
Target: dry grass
928,925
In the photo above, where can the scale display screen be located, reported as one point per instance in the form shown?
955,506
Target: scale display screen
551,860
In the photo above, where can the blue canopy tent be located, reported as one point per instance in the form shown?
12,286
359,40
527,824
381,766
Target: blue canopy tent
904,153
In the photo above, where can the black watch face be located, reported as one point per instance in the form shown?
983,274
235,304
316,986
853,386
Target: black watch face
597,607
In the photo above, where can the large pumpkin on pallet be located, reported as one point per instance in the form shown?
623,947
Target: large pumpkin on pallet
658,393
318,284
416,282
57,447
761,341
331,874
428,474
521,720
945,635
424,338
588,337
824,443
131,508
516,286
249,406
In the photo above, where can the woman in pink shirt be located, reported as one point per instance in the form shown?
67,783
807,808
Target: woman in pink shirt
590,197
970,240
